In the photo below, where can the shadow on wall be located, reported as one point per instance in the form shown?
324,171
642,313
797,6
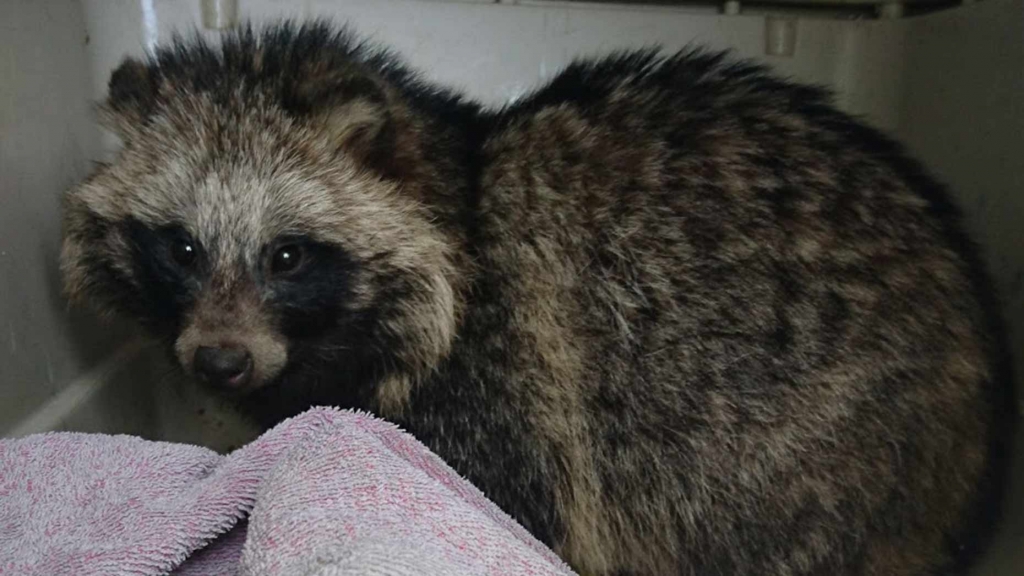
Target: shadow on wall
92,337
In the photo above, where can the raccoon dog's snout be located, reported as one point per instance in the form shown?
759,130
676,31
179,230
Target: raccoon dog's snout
234,347
229,366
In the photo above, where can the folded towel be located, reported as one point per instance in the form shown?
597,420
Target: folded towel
325,493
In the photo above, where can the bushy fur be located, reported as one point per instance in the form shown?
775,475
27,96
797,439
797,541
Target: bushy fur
674,314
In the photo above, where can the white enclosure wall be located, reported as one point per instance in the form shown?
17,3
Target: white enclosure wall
950,84
962,113
47,139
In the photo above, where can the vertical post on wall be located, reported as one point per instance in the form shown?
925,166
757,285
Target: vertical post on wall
219,14
779,36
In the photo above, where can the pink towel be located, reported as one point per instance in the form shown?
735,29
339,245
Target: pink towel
327,492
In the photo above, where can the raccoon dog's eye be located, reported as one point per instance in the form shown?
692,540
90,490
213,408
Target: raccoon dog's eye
287,259
184,252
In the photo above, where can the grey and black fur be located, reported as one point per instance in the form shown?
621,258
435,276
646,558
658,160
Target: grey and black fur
674,314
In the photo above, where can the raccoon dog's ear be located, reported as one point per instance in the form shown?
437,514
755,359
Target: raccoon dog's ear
132,96
352,111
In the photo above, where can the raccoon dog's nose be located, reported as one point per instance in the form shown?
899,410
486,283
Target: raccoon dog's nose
231,367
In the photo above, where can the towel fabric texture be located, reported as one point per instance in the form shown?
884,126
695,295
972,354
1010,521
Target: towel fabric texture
328,492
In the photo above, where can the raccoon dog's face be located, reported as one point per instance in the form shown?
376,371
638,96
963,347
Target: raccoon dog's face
253,224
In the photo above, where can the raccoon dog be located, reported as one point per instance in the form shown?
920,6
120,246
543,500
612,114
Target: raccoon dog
674,314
